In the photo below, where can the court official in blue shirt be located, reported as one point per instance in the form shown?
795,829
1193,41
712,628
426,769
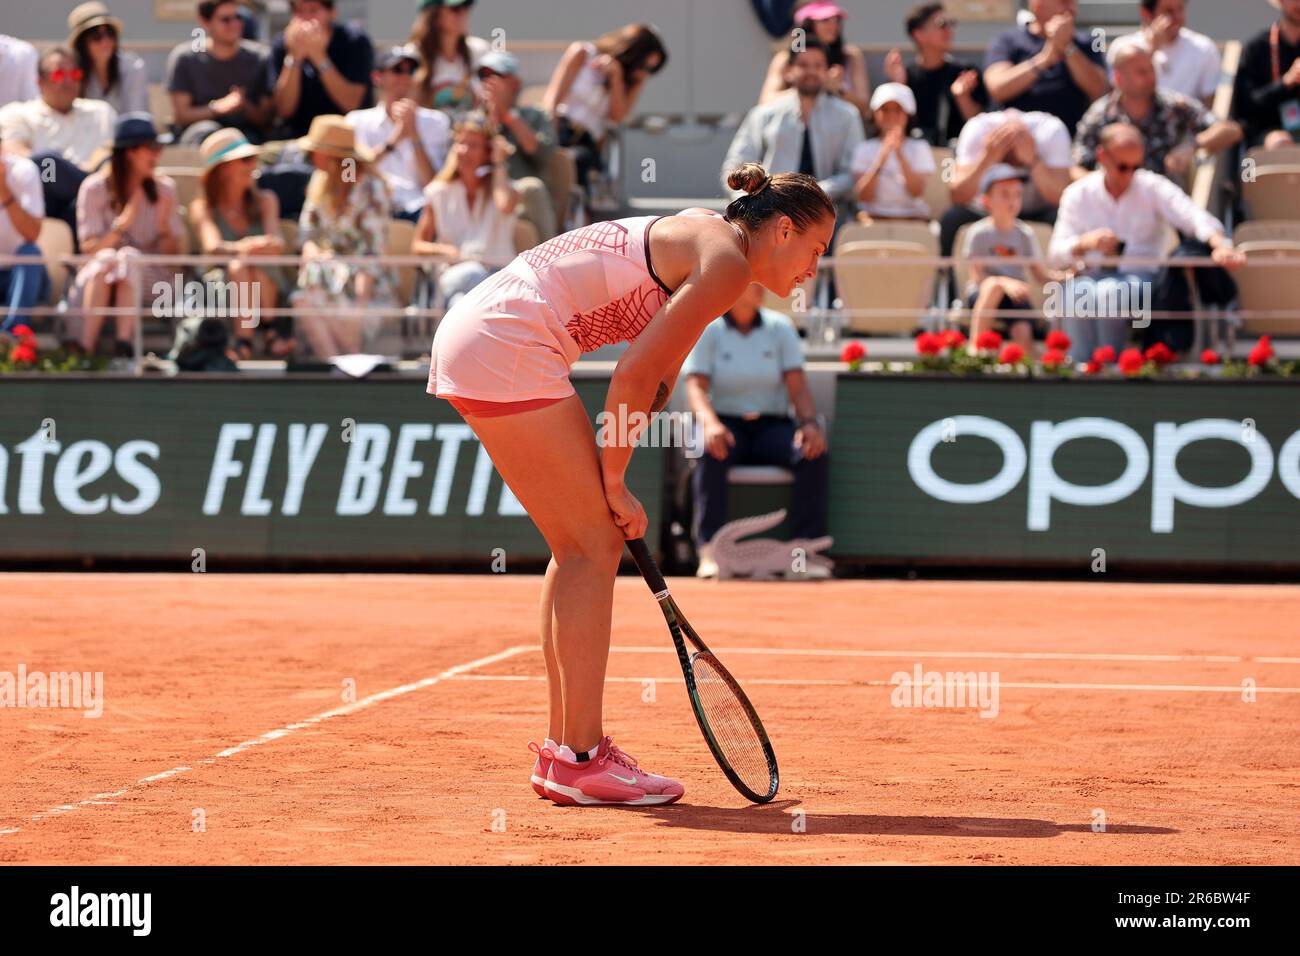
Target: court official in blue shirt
742,376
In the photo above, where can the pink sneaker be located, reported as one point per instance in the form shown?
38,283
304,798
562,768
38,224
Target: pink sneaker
542,765
611,777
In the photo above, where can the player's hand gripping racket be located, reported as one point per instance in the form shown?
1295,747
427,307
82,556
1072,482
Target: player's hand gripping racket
727,719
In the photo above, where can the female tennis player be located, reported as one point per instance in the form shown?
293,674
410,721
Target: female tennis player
502,356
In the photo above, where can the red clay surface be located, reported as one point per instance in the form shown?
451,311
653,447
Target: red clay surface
197,664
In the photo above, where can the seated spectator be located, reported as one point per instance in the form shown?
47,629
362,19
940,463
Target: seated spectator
409,142
344,215
1186,62
846,73
893,168
109,73
60,132
1035,142
124,210
596,85
469,219
803,130
1267,94
1046,65
22,207
994,287
530,134
222,84
447,78
1124,209
232,217
318,68
17,70
741,378
1172,126
948,91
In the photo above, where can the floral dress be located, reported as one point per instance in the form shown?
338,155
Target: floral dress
360,229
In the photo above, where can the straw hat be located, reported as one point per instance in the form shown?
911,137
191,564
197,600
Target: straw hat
87,17
332,135
223,146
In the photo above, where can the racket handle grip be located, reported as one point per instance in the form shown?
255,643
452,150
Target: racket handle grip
646,564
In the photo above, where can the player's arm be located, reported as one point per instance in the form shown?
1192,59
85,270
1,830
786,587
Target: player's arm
643,378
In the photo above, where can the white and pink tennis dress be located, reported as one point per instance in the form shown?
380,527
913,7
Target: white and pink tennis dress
517,334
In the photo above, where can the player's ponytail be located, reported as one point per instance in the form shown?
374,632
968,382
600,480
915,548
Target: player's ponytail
790,194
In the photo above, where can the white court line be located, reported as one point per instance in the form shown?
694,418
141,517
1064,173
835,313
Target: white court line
815,682
986,655
105,799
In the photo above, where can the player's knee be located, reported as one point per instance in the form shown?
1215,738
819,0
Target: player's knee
601,547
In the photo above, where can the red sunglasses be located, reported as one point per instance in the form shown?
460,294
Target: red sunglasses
74,74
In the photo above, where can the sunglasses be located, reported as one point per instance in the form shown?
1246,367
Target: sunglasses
100,33
946,23
226,18
61,75
402,69
484,73
1127,168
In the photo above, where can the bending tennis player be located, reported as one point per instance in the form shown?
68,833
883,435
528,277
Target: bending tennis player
502,356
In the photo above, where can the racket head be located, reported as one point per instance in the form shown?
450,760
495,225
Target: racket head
732,729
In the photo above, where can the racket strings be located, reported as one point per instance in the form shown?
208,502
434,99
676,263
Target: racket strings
729,720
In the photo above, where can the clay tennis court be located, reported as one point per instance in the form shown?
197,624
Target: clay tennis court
223,695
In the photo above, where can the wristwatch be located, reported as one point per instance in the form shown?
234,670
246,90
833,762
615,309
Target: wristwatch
324,66
290,61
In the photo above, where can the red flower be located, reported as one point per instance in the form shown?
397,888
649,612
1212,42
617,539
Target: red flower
1053,358
23,332
1131,361
953,338
1056,339
1093,368
988,341
1210,357
1262,352
927,343
1011,352
23,354
1104,354
1160,354
1260,355
853,352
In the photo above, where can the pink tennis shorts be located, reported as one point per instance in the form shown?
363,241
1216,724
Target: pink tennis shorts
501,349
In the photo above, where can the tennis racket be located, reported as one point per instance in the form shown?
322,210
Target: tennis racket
727,719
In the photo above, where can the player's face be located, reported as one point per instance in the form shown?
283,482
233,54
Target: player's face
796,253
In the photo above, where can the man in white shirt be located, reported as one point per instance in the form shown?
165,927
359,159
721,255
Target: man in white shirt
1124,210
59,132
17,70
1186,62
21,209
410,141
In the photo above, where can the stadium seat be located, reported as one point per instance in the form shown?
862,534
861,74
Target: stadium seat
1267,230
562,180
1273,193
55,241
1269,289
398,243
180,157
160,105
526,235
937,195
1285,156
961,266
868,280
889,230
186,180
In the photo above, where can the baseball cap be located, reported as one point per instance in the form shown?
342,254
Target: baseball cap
1001,172
500,61
397,54
894,93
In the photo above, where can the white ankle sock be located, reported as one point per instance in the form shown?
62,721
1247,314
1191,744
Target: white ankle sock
569,754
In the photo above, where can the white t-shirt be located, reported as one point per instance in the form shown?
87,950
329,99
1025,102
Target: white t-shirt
1190,65
17,71
892,197
484,233
587,102
453,70
373,128
75,135
1050,136
24,181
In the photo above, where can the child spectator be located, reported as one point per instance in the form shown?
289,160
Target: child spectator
892,168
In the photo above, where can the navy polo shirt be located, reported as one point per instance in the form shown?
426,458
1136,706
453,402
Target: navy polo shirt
746,370
1054,91
352,54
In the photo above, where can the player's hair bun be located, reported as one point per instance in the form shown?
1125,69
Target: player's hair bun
750,177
